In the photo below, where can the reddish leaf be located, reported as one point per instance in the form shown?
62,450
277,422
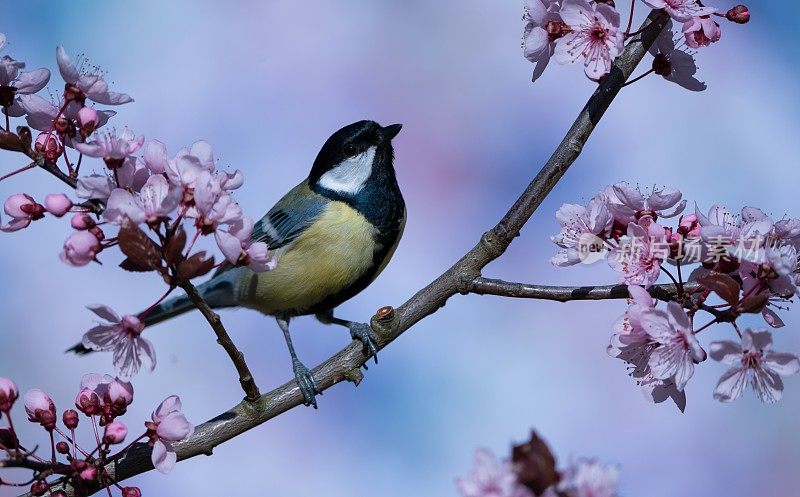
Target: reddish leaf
754,303
723,285
195,266
534,464
10,141
140,249
130,265
174,247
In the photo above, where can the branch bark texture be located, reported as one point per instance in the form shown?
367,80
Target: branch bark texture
463,277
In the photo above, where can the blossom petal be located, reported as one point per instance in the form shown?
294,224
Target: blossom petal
782,363
163,456
65,66
731,385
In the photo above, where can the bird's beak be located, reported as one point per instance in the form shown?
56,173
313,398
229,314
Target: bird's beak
389,132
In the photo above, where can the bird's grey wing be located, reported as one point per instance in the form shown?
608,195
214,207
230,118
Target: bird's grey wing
287,219
290,217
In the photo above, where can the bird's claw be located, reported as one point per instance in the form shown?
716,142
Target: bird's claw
307,383
363,333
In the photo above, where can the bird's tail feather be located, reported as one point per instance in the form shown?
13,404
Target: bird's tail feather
217,292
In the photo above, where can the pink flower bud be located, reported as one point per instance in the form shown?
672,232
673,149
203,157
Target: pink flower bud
62,447
8,394
689,226
120,393
88,474
88,119
22,209
131,492
57,204
80,248
59,493
115,433
70,419
39,487
37,403
701,31
82,221
739,14
48,145
88,402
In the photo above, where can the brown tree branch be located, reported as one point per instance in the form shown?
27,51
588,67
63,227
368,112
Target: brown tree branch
488,286
237,357
346,364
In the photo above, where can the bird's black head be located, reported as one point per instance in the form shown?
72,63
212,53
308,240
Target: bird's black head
357,158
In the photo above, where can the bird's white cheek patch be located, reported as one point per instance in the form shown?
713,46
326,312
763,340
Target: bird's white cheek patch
351,174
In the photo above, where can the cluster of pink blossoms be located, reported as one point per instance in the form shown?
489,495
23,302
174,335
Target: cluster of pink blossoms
590,31
531,471
102,400
140,188
750,262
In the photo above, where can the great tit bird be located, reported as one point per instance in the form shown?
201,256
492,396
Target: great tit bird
332,235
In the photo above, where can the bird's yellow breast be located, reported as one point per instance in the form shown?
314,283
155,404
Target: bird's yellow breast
324,260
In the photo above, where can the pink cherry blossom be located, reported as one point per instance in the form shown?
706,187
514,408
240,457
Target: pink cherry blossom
673,64
95,187
80,249
202,152
701,31
238,247
154,157
39,407
131,492
678,349
631,344
680,10
213,205
743,237
40,113
630,205
490,478
57,204
25,83
122,335
112,146
580,226
638,258
93,86
753,362
595,37
184,171
88,120
115,433
22,209
587,478
538,43
168,425
156,200
8,394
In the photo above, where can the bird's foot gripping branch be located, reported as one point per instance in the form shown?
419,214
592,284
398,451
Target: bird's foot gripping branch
154,206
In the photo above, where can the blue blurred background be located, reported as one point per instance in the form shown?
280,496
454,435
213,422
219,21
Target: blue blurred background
266,83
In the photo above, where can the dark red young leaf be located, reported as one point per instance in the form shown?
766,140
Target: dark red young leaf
534,464
10,141
723,285
174,247
194,266
140,249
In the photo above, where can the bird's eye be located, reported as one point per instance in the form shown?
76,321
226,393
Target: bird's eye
349,150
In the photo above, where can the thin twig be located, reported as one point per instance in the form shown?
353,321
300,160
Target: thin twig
488,286
346,364
245,377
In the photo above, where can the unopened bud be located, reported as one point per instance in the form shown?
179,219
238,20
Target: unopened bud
115,433
48,145
70,419
131,492
39,487
57,204
62,447
83,222
739,14
62,125
88,119
59,493
88,474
